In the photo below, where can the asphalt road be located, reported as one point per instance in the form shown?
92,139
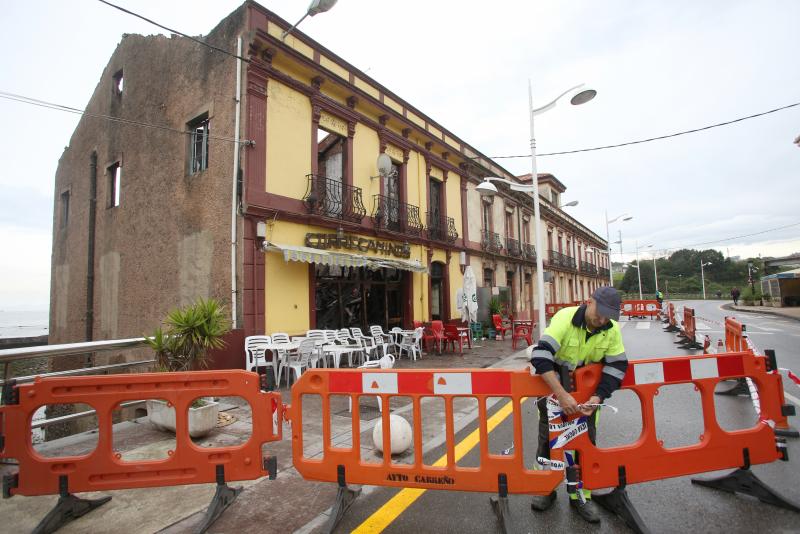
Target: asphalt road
672,505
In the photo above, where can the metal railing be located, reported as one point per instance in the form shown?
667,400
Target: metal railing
71,349
490,242
603,272
391,214
529,251
441,228
513,248
332,198
588,268
561,261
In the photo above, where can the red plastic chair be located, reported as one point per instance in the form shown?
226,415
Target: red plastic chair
498,326
522,331
437,335
453,336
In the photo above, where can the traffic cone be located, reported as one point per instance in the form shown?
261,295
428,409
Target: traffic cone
706,344
720,347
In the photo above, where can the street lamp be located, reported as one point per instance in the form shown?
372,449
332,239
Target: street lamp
487,188
655,269
638,268
569,204
315,8
624,217
703,276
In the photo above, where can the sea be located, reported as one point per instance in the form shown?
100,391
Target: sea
23,323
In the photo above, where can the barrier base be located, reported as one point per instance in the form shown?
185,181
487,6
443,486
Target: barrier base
500,506
739,388
223,497
744,481
617,502
789,432
344,499
67,508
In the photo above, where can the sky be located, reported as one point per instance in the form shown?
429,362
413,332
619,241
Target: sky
658,67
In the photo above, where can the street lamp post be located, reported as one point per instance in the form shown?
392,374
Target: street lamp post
315,8
703,276
624,217
639,268
486,188
655,270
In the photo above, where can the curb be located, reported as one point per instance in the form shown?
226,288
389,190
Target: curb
731,307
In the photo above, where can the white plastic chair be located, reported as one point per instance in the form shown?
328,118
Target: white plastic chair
255,357
367,342
300,359
317,336
377,332
386,362
410,344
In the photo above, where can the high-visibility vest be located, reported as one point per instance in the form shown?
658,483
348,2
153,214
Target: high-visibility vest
572,347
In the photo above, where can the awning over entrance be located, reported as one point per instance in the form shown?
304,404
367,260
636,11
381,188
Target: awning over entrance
343,259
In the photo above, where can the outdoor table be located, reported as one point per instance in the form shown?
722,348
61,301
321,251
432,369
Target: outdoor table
465,330
337,350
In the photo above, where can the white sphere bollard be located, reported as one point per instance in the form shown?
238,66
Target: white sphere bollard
400,434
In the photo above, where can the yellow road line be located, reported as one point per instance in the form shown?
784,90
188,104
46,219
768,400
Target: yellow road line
390,511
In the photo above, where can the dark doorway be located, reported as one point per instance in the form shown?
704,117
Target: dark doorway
437,290
359,297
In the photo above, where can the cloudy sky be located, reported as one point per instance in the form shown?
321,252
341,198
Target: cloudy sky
658,67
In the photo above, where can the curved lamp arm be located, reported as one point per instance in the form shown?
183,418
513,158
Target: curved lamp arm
552,104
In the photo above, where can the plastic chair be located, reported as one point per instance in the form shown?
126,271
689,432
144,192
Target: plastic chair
477,330
438,335
256,357
368,343
377,332
410,344
521,331
498,326
453,336
300,359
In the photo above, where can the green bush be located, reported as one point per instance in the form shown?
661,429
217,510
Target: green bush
495,306
189,334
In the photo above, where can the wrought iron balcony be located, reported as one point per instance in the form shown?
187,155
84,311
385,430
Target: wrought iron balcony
561,261
604,272
513,248
588,268
391,214
441,228
332,198
490,242
529,251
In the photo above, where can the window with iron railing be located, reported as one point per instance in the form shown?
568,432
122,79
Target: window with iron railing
441,228
490,242
332,198
393,215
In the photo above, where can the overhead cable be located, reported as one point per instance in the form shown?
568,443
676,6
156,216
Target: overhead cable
59,107
649,139
195,39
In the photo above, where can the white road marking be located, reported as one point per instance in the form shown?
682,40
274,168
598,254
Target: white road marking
642,325
699,325
792,398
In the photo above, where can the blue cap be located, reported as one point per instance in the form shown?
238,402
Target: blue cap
607,301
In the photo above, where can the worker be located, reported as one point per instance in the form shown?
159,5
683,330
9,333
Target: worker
577,336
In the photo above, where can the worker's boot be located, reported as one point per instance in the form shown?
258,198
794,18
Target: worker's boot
540,503
587,510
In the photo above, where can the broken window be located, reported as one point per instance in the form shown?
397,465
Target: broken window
114,184
199,130
64,209
118,83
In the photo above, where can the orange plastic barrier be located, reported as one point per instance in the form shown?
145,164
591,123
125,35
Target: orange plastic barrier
735,336
647,459
338,462
672,322
551,309
640,308
689,330
102,469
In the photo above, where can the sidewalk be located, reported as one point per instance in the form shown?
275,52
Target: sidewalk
791,313
286,504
